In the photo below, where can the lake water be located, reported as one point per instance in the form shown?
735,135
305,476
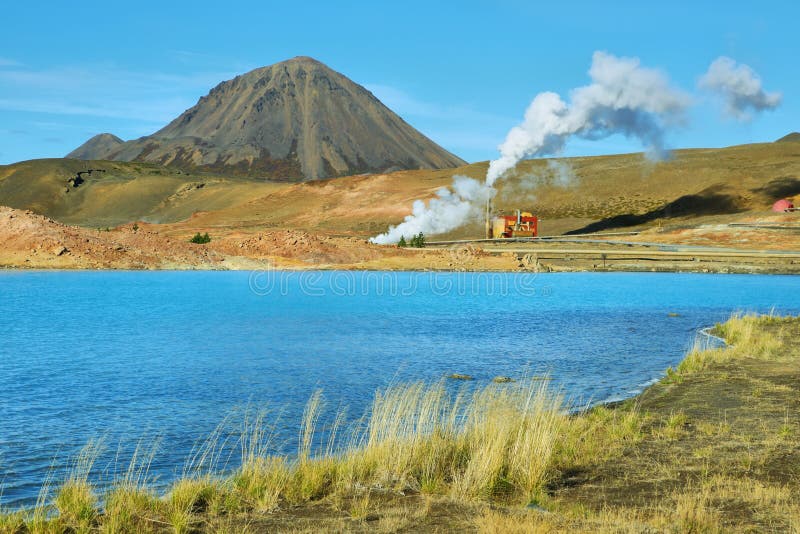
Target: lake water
138,357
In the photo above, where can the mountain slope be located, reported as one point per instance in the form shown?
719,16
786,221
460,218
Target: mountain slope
792,137
297,119
121,193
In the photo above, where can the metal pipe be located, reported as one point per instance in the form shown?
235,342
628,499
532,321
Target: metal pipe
488,218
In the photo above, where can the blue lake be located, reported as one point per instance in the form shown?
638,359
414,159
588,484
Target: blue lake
136,357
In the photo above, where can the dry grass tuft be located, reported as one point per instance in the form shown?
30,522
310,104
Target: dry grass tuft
12,522
75,500
694,513
189,499
508,442
598,434
494,522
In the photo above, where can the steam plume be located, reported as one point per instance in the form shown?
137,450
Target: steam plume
450,209
623,98
557,173
740,87
563,175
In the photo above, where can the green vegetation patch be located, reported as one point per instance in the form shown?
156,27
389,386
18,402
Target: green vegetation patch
200,239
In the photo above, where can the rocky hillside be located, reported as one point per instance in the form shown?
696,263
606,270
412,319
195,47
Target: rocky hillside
33,241
294,120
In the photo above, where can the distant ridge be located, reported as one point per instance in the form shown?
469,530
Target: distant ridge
296,120
99,144
793,137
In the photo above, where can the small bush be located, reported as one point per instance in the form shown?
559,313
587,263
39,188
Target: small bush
200,239
402,243
417,241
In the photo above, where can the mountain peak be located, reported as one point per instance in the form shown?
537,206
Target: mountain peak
303,59
297,119
100,143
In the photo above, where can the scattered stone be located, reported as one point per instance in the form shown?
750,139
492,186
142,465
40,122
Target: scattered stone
58,250
502,379
458,376
535,507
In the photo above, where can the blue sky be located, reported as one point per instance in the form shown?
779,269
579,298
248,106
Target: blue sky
461,72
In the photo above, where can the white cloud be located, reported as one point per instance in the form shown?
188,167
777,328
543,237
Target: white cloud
740,88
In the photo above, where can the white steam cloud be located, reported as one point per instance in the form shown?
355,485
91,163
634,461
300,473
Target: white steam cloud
740,87
563,175
450,209
524,188
623,98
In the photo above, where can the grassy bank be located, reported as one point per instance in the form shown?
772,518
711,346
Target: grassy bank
712,447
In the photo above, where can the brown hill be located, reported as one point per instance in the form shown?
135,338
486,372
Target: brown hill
620,191
122,192
297,119
792,137
610,192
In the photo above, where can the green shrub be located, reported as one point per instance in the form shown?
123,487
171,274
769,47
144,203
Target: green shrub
200,239
402,242
418,241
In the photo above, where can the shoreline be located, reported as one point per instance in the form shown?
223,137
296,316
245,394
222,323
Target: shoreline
668,457
31,241
729,269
